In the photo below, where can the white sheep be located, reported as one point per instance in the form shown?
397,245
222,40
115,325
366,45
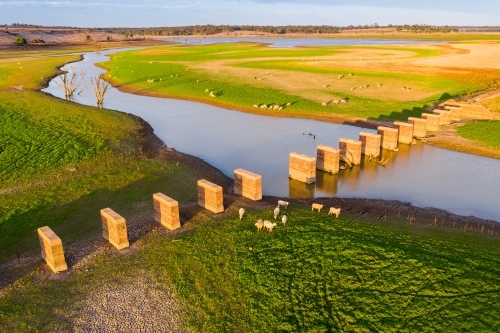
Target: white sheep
269,226
280,108
353,88
336,101
276,107
255,106
379,85
288,104
259,225
283,203
316,206
335,211
343,101
340,76
283,219
323,104
241,211
276,212
206,90
403,88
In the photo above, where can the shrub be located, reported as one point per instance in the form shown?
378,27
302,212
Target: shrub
88,38
109,38
20,40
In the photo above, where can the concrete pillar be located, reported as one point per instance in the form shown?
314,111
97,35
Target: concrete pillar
405,132
248,184
52,249
166,211
419,126
114,228
210,196
370,143
327,159
445,118
302,168
351,149
388,137
432,121
456,112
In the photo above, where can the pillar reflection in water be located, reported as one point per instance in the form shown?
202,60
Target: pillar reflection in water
300,190
326,183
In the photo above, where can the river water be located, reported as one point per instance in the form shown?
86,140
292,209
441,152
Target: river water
421,174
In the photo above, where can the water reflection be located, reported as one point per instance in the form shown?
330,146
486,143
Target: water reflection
421,174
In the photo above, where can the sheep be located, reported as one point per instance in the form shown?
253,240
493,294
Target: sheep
335,211
316,206
283,203
280,108
276,107
241,211
353,88
263,106
283,219
343,101
323,104
340,76
269,226
171,75
276,212
206,90
259,225
288,104
350,74
403,88
408,89
379,85
336,101
255,106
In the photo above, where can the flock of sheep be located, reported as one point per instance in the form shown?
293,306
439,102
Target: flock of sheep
270,225
272,106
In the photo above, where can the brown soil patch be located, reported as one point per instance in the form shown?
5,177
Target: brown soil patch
448,138
473,56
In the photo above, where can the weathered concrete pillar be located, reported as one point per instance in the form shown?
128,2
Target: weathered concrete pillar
302,168
432,121
166,211
114,228
210,196
405,132
370,143
351,149
445,118
456,112
248,184
388,137
52,249
419,126
327,159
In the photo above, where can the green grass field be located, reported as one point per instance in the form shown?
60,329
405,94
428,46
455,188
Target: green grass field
484,131
229,69
61,162
316,274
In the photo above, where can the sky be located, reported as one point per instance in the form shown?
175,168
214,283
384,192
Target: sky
155,13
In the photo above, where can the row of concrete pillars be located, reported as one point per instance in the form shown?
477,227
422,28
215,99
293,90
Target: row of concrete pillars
166,212
303,167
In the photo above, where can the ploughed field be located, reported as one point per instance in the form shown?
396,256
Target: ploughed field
244,75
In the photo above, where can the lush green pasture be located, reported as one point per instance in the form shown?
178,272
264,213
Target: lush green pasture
484,131
61,162
316,274
188,71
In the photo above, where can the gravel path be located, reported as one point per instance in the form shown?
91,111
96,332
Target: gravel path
139,305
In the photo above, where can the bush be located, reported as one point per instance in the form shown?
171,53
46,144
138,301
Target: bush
20,40
109,38
88,38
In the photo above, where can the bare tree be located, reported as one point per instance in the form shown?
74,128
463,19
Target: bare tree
70,81
100,87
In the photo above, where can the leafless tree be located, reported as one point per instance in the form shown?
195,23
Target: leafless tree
100,87
70,81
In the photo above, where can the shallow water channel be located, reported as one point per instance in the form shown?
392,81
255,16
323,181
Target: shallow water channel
421,174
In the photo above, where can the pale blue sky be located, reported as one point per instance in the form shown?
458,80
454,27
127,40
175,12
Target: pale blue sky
148,13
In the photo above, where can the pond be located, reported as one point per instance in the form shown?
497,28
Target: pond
421,174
